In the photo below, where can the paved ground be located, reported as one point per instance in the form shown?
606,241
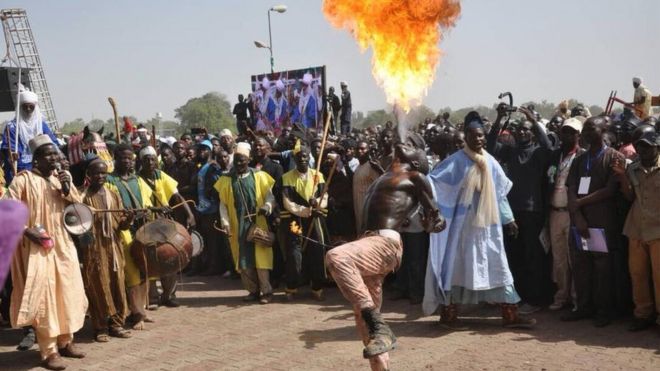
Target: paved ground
214,330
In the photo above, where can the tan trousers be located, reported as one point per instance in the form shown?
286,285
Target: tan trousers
256,280
560,229
49,345
359,268
644,264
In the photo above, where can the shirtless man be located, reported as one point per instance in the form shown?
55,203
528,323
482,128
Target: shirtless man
359,267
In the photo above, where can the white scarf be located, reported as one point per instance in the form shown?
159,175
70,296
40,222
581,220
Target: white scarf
29,126
480,179
279,104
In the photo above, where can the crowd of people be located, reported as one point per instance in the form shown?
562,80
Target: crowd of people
525,212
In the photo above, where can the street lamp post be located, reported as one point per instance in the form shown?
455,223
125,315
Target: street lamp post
279,9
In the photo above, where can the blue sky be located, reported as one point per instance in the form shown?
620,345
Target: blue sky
154,55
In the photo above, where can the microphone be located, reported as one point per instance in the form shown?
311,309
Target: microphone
66,187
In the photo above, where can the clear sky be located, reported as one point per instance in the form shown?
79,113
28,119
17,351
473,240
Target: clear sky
153,55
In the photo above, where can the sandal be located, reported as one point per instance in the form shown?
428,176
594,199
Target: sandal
119,332
102,337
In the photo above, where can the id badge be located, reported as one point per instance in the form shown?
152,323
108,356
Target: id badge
583,189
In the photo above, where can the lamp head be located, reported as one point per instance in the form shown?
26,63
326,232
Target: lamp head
259,44
278,8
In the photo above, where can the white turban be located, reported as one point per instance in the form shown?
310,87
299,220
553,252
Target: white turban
265,83
307,79
243,148
27,96
147,151
279,85
637,80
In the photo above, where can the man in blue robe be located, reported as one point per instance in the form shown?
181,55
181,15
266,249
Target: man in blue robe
30,124
467,262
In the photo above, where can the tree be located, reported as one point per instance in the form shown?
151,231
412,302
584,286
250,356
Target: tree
211,111
378,117
73,127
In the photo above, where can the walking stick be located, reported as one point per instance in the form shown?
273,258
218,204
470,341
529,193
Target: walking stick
323,192
114,111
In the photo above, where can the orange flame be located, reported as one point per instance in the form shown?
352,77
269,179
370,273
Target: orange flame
404,36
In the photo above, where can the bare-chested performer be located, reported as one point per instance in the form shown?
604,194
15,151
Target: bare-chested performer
359,267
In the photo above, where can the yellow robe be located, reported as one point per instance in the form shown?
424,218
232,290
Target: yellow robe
48,287
131,271
263,183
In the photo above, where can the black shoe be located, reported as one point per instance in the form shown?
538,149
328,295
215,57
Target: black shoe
28,340
251,297
575,316
169,303
639,324
602,321
381,337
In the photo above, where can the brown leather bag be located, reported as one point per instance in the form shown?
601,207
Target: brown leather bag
261,236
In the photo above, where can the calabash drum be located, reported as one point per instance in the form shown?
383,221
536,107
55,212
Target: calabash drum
197,243
161,247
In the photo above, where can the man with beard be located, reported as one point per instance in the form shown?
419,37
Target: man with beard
246,199
261,161
360,267
48,291
30,123
228,144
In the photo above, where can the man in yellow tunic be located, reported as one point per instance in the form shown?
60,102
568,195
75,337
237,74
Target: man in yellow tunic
103,258
163,189
246,197
134,194
48,288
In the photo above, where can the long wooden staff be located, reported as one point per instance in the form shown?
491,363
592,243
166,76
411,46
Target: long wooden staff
114,111
318,207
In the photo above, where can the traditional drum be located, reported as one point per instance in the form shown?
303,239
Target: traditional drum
162,247
197,243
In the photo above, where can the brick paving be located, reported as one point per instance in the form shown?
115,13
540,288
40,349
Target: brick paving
214,330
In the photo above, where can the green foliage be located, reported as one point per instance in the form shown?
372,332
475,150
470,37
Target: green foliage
211,111
378,117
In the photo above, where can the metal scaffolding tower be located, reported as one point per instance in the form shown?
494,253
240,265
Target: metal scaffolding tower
22,50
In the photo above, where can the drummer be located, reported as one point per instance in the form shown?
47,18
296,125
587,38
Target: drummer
103,258
162,189
134,195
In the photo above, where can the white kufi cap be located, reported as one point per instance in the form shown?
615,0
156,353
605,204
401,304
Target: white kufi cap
243,148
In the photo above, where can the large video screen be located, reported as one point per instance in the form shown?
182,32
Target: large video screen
287,97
